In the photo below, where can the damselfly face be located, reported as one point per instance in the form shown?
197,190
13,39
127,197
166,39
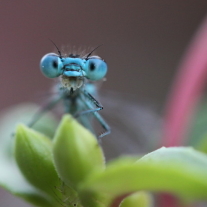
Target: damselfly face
73,68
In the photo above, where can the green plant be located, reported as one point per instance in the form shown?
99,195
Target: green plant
69,170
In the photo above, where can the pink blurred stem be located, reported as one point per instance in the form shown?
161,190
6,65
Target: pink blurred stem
186,90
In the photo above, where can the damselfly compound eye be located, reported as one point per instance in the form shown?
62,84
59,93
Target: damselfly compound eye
95,69
50,65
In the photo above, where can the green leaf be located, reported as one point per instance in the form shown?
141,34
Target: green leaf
34,158
138,199
76,152
181,171
11,178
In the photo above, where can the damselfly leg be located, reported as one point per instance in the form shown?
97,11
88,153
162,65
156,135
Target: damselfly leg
90,102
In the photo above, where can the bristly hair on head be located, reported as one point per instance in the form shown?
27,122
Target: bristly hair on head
75,53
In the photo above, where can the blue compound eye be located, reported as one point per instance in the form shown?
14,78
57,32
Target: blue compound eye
50,65
95,69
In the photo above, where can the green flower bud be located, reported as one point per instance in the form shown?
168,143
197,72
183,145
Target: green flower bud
76,152
32,151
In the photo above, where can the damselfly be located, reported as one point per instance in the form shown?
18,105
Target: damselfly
76,87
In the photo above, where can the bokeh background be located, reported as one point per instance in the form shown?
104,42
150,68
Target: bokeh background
143,44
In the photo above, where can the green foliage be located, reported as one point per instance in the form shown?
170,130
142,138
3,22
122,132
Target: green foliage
11,178
69,170
181,171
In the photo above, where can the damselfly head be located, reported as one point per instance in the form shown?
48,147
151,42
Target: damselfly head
90,67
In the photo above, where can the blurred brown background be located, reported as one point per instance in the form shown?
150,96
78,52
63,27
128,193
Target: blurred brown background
143,43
